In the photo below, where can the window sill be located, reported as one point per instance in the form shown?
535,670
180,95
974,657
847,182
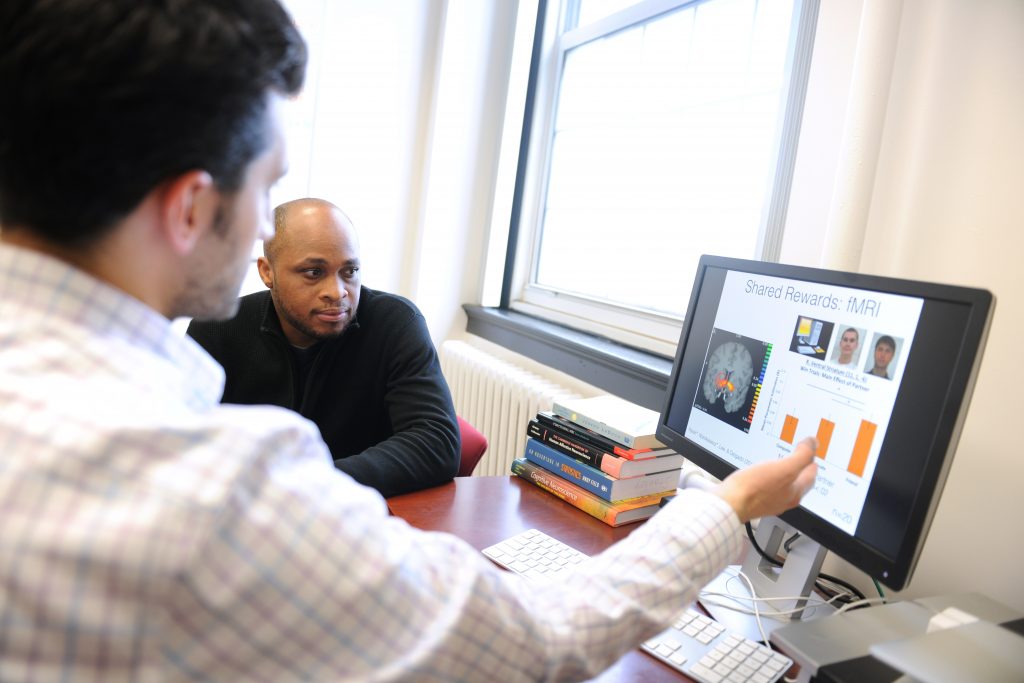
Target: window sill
638,376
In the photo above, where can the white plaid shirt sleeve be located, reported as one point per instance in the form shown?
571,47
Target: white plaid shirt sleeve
149,534
305,577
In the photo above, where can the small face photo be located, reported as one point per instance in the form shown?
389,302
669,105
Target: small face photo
881,362
847,345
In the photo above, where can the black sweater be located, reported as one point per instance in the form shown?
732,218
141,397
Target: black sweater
376,392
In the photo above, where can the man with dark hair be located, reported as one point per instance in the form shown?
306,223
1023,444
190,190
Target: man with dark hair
100,146
356,361
885,349
149,532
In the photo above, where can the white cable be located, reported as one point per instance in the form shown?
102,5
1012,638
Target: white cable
810,600
839,589
775,614
696,479
861,603
757,612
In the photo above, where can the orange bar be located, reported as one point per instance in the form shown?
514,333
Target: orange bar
825,428
788,429
865,435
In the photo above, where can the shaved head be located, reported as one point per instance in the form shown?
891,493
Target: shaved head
311,267
300,212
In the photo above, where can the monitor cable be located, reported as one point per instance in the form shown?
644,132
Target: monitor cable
822,576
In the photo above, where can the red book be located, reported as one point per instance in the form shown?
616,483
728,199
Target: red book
585,452
571,429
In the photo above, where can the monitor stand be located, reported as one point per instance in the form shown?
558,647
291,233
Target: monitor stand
794,580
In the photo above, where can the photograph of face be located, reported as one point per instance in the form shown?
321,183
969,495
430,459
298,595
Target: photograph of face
847,346
882,360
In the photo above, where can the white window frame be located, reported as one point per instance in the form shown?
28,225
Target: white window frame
648,331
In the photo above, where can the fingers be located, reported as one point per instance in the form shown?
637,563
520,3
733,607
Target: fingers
772,487
790,467
794,467
805,468
805,450
805,480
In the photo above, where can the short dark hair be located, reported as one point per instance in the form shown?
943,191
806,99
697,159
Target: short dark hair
887,340
105,99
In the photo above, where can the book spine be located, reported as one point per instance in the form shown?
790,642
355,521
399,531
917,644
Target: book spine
593,425
621,468
567,467
580,450
595,480
577,448
613,465
567,491
633,453
570,428
607,512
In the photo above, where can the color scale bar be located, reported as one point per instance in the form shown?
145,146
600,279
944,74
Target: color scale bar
760,383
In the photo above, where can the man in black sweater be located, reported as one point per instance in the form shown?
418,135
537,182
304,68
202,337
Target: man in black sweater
357,362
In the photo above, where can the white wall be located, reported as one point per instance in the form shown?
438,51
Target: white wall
948,205
400,125
463,161
357,133
945,203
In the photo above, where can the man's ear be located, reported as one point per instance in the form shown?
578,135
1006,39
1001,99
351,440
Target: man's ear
188,208
266,272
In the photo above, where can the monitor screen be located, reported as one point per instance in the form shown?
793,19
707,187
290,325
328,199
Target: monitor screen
878,369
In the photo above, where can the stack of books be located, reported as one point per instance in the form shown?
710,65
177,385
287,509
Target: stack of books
600,454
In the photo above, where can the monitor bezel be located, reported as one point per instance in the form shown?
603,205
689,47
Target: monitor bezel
897,570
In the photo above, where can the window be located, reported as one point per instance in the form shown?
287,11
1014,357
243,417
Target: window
661,130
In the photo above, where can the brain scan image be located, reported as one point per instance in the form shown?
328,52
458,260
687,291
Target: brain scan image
729,372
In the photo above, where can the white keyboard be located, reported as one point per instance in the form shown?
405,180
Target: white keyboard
696,645
535,554
706,651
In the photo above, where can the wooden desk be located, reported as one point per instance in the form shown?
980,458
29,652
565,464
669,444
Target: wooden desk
485,510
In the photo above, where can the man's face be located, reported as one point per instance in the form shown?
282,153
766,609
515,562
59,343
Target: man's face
847,344
883,356
222,255
314,274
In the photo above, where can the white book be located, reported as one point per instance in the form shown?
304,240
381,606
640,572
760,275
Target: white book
610,416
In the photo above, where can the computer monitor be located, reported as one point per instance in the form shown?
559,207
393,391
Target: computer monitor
880,370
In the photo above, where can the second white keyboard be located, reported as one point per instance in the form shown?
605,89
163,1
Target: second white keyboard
696,645
705,650
535,554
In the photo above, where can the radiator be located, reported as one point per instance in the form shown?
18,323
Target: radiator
498,398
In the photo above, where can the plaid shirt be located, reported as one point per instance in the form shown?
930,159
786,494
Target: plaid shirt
149,533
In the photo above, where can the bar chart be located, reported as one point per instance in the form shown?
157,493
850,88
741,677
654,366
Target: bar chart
845,429
862,443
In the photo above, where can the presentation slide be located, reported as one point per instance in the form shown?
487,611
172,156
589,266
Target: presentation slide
787,360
